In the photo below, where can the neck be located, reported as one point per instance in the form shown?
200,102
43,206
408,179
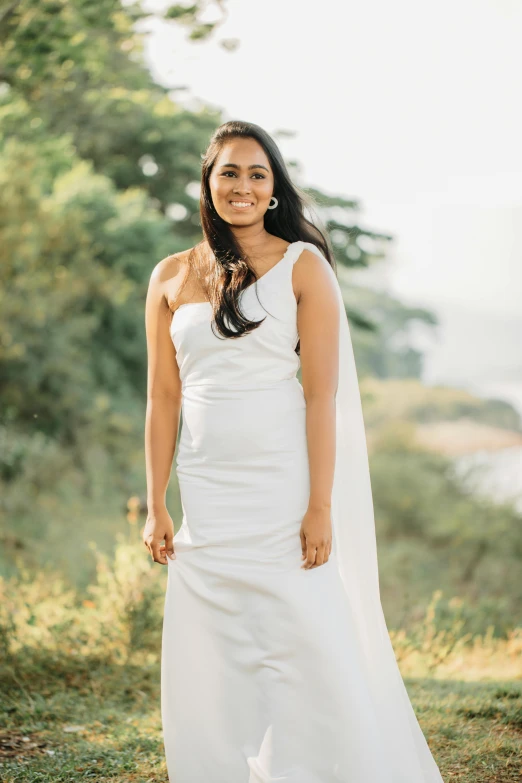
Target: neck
251,238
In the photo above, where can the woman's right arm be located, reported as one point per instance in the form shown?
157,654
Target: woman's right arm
163,413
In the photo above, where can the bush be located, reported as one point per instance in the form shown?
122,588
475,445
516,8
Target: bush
119,617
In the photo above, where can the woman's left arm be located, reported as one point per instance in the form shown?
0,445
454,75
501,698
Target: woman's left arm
318,321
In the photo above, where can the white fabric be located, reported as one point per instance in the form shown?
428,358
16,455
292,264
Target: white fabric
272,673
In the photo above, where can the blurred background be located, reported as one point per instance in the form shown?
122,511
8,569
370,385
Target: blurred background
401,120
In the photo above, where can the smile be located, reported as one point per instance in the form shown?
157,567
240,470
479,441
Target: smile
242,204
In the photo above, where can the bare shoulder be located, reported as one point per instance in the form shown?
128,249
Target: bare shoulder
311,261
170,267
313,274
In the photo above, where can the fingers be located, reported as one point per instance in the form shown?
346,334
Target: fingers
316,554
309,556
303,543
160,552
321,555
154,548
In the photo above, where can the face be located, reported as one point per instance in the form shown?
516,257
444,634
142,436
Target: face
241,182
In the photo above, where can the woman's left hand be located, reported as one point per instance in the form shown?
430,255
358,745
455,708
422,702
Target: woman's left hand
316,537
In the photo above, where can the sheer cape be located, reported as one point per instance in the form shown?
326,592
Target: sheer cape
354,538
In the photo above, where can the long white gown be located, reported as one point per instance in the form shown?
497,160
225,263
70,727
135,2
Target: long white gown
272,673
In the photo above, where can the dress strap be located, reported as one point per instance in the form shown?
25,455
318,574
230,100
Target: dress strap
292,254
294,251
309,246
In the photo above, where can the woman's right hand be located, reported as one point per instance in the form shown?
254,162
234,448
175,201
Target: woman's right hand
158,528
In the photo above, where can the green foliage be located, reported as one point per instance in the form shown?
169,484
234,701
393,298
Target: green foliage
382,337
433,531
92,87
119,617
82,224
183,13
68,297
354,245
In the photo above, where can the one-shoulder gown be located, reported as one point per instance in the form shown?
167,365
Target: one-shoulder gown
263,679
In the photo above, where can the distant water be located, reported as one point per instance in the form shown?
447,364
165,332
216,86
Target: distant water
495,473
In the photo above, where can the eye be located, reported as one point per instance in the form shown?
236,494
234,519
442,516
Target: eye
257,174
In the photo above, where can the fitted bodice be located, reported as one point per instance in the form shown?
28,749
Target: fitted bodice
265,355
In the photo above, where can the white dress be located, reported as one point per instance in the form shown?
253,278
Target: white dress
270,673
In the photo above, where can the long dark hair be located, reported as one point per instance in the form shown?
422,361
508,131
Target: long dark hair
232,273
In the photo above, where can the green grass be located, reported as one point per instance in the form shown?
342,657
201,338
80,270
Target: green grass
114,708
474,729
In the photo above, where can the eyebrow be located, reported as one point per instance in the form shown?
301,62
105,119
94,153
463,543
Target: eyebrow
253,166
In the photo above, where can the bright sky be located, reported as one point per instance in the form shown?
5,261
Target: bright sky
412,108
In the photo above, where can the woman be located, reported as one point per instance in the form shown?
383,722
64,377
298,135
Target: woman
276,661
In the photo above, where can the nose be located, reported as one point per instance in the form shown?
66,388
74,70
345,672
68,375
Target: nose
242,185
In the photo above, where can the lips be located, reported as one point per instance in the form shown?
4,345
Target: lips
240,204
